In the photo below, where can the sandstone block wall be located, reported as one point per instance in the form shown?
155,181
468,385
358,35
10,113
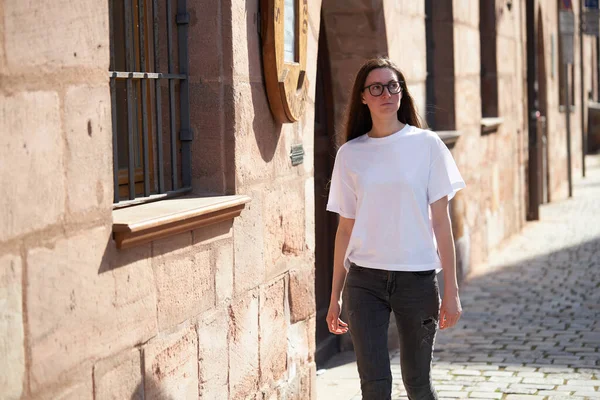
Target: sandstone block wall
225,311
491,208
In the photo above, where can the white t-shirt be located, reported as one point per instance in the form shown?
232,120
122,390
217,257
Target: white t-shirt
386,185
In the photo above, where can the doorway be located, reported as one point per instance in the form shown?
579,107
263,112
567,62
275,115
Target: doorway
327,344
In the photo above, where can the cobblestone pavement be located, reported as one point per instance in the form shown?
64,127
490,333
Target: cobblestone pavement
531,323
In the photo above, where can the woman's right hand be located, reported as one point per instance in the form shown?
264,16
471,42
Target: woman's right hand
334,323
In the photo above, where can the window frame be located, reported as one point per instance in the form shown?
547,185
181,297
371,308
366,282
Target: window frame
144,177
488,75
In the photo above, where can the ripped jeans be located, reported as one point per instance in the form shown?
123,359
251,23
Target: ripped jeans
368,298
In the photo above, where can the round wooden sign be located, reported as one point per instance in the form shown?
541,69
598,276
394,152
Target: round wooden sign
284,31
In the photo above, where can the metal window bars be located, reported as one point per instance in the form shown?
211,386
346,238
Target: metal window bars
183,140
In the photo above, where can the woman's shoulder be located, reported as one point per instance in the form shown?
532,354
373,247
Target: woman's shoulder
352,144
428,135
424,132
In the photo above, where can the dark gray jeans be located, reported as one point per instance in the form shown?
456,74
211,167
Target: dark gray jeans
369,297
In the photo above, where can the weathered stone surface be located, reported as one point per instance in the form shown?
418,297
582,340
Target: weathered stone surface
309,221
86,302
312,345
302,294
12,351
257,134
224,272
3,67
89,148
284,226
298,387
213,233
407,38
213,357
273,332
466,12
246,47
243,346
281,163
505,61
249,245
205,33
79,391
207,109
119,377
32,163
466,50
469,90
298,346
419,95
184,280
171,366
306,379
59,33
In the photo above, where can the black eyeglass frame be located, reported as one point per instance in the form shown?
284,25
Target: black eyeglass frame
387,85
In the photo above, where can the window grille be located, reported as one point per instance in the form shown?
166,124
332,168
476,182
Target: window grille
151,155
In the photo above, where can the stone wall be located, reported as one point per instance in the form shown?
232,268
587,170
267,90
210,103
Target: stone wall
225,311
491,208
557,128
405,31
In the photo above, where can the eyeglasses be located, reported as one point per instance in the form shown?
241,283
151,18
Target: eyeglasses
376,89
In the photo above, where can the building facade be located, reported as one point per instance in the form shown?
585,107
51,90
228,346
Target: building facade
218,287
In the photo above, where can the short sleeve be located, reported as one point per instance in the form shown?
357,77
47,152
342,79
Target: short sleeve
444,176
342,197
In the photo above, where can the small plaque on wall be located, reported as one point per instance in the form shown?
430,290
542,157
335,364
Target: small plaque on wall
297,154
284,28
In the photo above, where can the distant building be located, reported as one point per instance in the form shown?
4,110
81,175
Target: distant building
219,286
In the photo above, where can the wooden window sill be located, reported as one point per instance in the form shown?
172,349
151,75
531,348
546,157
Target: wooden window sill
449,137
133,226
490,125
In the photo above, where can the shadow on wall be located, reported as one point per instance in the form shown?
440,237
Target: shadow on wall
114,258
150,390
267,131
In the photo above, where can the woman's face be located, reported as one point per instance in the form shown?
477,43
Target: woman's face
382,93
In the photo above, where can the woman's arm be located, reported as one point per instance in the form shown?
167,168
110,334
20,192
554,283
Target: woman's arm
451,307
342,237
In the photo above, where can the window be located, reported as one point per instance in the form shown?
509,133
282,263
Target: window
440,83
566,72
150,108
488,71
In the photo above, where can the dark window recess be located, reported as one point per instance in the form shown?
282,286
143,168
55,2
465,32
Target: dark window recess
149,99
489,64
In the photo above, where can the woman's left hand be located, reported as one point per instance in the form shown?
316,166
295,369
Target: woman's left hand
450,311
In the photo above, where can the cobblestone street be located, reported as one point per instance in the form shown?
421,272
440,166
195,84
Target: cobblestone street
531,323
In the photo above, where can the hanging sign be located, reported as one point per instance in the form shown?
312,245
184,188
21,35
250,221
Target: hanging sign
284,27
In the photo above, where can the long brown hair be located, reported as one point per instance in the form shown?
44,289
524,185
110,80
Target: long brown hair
358,119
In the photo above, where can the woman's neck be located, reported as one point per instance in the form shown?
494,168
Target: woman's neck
385,127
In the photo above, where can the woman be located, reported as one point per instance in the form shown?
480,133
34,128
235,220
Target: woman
391,185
